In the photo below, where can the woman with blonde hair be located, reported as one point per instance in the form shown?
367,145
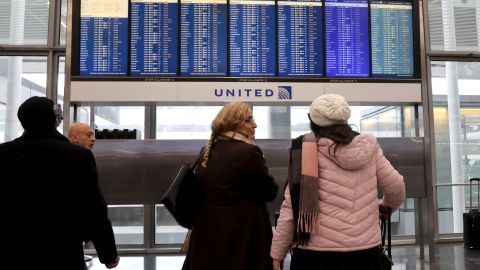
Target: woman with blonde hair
232,229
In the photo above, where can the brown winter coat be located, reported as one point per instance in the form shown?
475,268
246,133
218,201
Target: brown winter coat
232,229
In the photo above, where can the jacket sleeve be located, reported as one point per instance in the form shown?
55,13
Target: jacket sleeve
263,183
283,235
99,226
390,182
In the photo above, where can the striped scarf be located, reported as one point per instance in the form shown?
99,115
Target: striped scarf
303,183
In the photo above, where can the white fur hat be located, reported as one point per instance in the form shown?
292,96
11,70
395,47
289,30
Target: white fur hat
329,109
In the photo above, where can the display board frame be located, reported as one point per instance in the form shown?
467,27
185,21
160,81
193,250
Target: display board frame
214,89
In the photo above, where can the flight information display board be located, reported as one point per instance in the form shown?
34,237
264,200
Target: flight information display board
203,35
231,40
346,38
154,37
103,37
392,39
252,38
300,38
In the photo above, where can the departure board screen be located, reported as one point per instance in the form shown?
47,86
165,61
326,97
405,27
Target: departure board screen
232,40
203,38
252,38
392,39
103,37
300,38
154,37
346,38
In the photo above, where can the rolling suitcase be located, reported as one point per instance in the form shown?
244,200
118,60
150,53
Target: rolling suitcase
471,221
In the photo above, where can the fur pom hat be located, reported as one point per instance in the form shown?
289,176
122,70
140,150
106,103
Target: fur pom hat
329,109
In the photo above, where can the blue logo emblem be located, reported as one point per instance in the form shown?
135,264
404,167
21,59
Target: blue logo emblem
284,92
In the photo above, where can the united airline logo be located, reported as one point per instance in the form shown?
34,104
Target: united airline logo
283,92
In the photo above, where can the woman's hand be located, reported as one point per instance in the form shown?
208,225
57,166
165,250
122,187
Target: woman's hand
384,212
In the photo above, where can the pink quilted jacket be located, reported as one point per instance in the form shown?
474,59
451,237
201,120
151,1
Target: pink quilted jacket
348,218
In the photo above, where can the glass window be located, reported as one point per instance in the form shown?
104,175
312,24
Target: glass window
61,80
454,25
265,124
83,114
121,117
167,231
193,122
185,122
168,262
20,78
127,222
23,22
456,117
299,120
61,86
381,121
63,23
409,121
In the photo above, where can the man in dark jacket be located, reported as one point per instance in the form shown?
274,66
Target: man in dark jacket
48,184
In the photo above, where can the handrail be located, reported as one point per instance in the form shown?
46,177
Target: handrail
449,185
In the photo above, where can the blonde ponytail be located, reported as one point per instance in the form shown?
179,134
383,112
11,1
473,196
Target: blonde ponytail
207,150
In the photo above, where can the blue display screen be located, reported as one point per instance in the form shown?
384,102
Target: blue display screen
252,38
286,39
346,38
392,39
103,46
154,38
300,38
203,36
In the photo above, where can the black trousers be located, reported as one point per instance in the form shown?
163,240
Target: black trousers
368,259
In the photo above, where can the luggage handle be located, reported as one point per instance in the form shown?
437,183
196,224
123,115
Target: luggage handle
386,228
478,193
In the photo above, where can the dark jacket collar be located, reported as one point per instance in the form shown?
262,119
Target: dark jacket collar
53,133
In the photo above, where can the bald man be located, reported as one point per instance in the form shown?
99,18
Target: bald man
82,135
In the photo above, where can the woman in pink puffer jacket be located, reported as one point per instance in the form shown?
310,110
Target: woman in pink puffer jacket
330,212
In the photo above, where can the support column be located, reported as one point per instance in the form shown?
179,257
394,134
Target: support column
14,77
454,123
454,128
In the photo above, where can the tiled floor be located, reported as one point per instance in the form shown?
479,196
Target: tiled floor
448,257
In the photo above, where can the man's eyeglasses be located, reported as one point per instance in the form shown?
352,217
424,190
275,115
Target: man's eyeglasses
57,109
